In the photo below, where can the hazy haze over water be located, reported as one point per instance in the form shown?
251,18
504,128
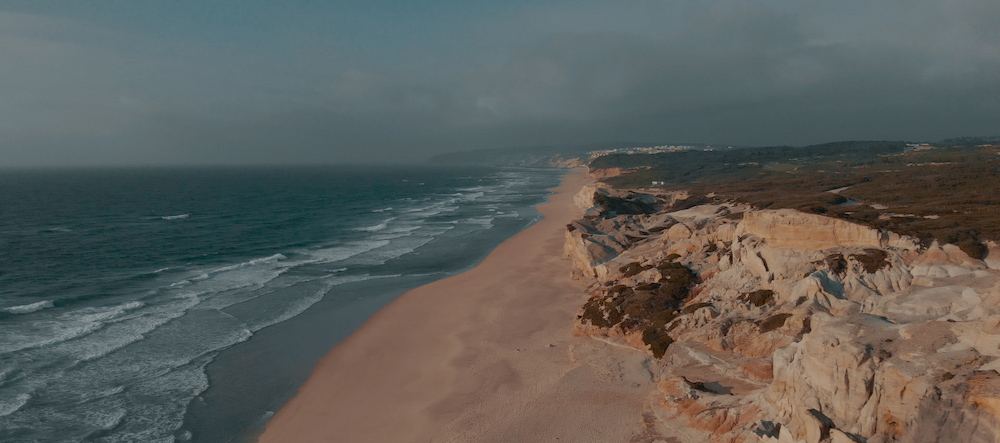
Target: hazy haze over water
192,82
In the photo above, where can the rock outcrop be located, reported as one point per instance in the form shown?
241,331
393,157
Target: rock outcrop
775,325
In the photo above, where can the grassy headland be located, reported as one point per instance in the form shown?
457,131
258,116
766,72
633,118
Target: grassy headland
947,191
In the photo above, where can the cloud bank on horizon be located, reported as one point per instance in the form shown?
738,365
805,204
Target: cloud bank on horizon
190,82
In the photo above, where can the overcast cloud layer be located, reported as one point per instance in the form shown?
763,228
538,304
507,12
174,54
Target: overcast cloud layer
91,83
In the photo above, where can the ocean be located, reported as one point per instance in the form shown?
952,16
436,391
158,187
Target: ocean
188,304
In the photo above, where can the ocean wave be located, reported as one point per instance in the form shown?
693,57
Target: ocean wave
254,262
299,306
29,308
432,210
149,358
10,406
121,333
106,420
472,196
54,332
175,217
343,252
245,276
402,246
483,221
64,327
397,232
402,229
375,228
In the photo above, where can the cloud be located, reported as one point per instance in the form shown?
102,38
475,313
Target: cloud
559,72
752,74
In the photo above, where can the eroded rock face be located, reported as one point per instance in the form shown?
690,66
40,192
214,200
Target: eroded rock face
790,229
794,327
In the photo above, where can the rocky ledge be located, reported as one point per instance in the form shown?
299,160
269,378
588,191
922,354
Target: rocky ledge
777,325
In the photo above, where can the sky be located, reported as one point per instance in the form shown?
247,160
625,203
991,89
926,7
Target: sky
296,81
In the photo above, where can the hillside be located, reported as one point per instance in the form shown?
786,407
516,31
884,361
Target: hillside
536,156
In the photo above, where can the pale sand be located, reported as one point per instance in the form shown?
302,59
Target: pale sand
487,355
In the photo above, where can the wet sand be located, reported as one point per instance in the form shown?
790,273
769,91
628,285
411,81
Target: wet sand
488,355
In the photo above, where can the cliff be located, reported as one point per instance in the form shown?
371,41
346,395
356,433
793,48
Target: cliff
781,326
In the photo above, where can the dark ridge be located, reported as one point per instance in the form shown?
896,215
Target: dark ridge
631,204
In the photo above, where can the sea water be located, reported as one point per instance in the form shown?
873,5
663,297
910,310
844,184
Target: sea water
162,305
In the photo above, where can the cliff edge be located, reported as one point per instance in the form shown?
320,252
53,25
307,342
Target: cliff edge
783,326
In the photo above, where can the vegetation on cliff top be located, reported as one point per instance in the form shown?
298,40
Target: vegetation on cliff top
945,192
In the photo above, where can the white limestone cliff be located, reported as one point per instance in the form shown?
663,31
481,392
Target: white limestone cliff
856,334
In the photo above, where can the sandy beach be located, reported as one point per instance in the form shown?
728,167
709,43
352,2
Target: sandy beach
486,355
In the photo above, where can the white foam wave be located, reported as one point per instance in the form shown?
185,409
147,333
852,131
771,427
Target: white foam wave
108,419
483,221
472,196
394,233
299,306
383,209
29,308
109,392
344,252
376,228
11,406
254,262
433,210
132,305
64,327
175,217
403,229
54,333
246,276
122,332
401,246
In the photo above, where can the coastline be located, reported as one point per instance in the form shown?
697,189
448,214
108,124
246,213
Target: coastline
486,355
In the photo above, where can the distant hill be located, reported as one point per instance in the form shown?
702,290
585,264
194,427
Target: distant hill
691,165
968,142
533,156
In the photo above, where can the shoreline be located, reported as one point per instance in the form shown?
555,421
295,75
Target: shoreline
485,355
